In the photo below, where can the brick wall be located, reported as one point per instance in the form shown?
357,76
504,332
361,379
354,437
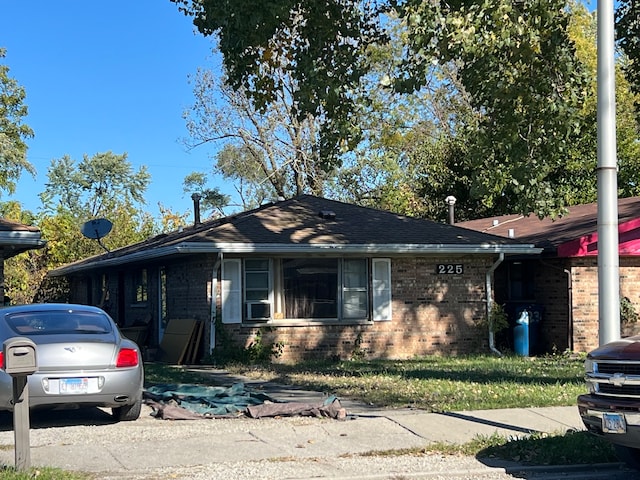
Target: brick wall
551,291
584,306
585,299
432,314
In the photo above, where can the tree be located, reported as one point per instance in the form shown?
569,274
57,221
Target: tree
102,186
412,155
514,59
628,36
267,154
209,199
436,167
319,43
13,132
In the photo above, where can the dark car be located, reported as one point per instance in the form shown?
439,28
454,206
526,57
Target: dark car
611,409
82,359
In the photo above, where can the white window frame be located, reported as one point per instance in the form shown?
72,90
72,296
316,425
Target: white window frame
381,289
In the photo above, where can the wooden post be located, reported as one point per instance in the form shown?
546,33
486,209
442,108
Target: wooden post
21,422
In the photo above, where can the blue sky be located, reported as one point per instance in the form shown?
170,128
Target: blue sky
107,76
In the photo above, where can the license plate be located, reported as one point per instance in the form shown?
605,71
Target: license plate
74,385
613,423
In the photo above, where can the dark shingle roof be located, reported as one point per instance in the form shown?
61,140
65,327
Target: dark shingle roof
546,233
310,222
16,238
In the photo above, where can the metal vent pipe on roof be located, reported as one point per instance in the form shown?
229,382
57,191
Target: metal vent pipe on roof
451,201
196,208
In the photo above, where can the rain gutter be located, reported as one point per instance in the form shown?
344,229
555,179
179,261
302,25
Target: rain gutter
109,260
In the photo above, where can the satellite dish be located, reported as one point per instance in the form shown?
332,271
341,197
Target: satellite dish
97,229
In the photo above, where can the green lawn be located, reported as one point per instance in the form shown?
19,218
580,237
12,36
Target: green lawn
438,383
434,384
447,384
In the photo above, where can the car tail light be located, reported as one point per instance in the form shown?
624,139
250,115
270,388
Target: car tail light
1,359
127,357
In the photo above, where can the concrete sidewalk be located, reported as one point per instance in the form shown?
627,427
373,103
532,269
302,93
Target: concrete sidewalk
279,448
450,427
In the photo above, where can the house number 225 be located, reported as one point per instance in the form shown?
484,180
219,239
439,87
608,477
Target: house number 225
450,269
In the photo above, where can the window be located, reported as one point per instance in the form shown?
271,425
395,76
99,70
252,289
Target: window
310,287
256,277
355,294
306,289
256,289
140,286
521,281
162,287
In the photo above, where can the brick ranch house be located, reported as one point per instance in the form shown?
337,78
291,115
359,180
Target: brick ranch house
15,238
325,277
562,283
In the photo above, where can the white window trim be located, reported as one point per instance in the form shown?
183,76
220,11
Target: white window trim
231,291
381,289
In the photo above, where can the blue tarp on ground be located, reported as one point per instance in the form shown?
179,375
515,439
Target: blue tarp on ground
189,401
207,400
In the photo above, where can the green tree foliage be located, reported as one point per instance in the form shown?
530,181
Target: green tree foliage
267,154
13,132
22,273
318,43
628,36
519,66
102,186
210,199
413,155
515,60
94,186
426,160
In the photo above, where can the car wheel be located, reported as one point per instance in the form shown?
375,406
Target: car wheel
128,413
629,455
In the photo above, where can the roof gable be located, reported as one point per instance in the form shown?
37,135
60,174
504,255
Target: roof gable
579,225
308,223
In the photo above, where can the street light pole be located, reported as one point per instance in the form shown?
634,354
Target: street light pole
608,258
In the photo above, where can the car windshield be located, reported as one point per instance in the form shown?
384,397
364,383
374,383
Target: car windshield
55,322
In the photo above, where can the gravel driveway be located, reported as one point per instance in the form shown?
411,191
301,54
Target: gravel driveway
239,448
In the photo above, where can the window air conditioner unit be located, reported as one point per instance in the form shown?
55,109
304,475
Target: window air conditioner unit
258,310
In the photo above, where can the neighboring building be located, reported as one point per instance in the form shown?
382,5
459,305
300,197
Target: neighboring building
327,279
15,238
561,285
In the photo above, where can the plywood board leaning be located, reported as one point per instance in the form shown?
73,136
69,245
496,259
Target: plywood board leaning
176,339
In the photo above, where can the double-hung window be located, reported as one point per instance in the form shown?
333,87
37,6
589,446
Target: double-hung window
256,289
306,288
140,286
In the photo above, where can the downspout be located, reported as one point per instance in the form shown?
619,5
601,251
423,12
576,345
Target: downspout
214,302
489,293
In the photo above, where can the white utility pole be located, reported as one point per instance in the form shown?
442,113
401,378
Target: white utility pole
608,258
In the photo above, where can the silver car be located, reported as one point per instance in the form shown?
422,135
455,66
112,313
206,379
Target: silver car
82,359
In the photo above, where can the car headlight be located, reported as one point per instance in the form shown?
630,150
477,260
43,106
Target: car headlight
590,365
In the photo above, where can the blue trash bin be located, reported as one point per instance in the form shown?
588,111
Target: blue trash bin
521,333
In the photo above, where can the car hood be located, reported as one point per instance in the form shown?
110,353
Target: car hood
623,349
